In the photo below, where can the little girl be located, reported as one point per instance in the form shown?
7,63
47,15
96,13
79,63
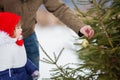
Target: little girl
14,64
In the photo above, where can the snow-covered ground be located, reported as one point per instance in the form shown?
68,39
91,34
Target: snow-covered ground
53,39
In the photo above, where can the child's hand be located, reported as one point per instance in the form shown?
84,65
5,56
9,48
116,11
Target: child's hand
35,75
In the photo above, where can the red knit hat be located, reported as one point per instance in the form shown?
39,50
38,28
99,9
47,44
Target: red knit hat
8,22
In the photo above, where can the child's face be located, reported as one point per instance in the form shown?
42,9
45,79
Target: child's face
17,31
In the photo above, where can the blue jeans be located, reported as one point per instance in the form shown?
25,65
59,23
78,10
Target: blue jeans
14,74
32,49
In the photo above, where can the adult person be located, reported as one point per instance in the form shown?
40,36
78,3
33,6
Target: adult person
27,9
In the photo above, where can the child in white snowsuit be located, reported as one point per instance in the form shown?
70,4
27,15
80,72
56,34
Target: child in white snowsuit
14,64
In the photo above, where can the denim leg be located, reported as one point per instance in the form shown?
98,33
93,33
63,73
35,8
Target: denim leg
32,49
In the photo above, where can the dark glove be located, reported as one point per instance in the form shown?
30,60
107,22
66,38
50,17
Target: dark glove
80,34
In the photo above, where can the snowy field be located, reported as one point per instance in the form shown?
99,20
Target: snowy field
53,39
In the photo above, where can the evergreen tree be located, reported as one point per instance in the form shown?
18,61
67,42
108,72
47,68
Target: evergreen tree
102,55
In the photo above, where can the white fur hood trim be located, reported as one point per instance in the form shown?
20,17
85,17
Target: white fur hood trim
11,55
5,38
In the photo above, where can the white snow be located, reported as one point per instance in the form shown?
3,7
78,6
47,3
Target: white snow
53,39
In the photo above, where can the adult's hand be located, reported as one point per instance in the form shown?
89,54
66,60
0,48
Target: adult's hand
87,31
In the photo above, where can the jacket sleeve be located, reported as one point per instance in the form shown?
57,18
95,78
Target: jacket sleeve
64,13
0,9
1,6
30,67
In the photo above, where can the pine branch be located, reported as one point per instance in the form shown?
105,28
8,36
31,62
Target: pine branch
108,37
51,60
78,10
